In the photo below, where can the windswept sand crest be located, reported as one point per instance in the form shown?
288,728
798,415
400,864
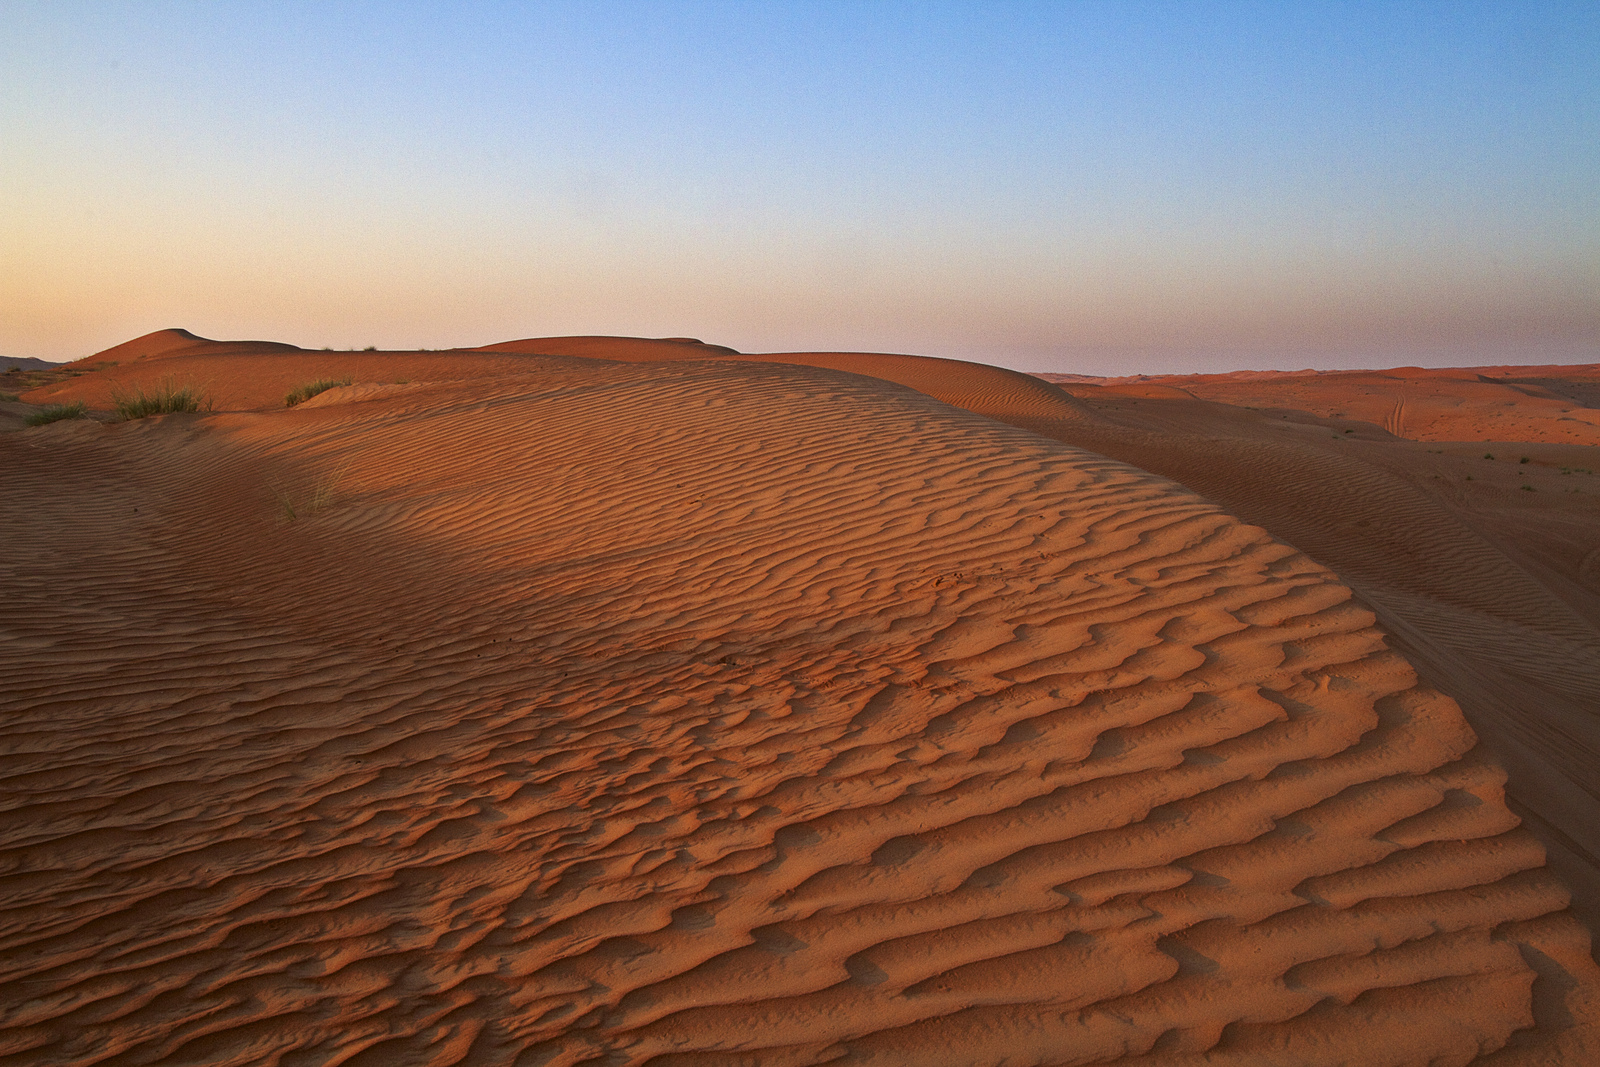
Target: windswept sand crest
251,375
162,343
803,720
258,375
631,349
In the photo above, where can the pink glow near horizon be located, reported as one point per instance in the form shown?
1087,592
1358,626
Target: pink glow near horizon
1100,188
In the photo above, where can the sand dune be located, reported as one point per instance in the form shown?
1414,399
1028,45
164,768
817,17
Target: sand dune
1553,405
633,349
247,375
1484,570
518,708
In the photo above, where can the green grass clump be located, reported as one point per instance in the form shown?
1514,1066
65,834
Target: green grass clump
9,398
166,399
311,389
57,412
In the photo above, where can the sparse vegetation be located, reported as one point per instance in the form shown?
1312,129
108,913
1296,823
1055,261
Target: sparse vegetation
167,398
9,398
1525,459
57,412
310,389
1488,455
370,348
317,496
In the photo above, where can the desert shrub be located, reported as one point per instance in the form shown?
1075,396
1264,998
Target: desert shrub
57,412
312,497
166,399
8,398
311,389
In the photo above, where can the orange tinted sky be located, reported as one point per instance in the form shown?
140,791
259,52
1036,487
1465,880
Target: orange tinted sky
1108,188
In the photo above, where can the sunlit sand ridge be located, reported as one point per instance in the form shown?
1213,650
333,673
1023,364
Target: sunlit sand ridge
1463,505
506,708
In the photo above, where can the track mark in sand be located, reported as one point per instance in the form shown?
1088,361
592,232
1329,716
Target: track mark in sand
803,721
1395,421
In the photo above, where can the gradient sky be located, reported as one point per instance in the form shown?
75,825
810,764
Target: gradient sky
1099,187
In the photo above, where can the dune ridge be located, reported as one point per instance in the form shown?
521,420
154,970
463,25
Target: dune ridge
1478,567
805,719
248,375
1555,405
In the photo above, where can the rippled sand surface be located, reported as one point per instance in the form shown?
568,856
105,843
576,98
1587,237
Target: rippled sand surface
718,712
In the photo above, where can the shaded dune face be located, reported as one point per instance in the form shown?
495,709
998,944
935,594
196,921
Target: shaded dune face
716,714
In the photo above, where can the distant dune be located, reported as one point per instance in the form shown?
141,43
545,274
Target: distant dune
1552,405
24,363
608,700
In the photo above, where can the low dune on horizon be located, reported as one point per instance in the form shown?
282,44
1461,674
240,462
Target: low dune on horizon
638,701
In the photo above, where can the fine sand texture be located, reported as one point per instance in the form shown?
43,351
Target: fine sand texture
1479,551
661,706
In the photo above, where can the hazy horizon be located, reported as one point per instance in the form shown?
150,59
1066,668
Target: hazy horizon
1095,188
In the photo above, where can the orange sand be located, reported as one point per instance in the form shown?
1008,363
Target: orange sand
1486,572
642,702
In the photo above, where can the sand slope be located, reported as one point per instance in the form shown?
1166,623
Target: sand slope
720,713
1554,405
1484,569
250,375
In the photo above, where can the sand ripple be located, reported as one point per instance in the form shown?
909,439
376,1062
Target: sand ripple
695,714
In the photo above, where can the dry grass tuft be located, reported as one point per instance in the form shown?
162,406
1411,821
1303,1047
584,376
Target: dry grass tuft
57,412
311,389
167,399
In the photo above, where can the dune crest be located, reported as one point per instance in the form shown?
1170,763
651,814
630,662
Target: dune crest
719,712
633,349
157,343
1479,554
1554,405
248,375
176,341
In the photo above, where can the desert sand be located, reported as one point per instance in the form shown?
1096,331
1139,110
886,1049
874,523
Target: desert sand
597,700
1463,506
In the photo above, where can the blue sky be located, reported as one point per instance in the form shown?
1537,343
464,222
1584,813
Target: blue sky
1107,187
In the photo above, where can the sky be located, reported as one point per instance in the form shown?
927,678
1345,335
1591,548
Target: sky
1106,188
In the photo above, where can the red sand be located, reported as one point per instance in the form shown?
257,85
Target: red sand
585,707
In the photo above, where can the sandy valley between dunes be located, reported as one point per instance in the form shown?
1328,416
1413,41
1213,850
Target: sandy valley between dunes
612,701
